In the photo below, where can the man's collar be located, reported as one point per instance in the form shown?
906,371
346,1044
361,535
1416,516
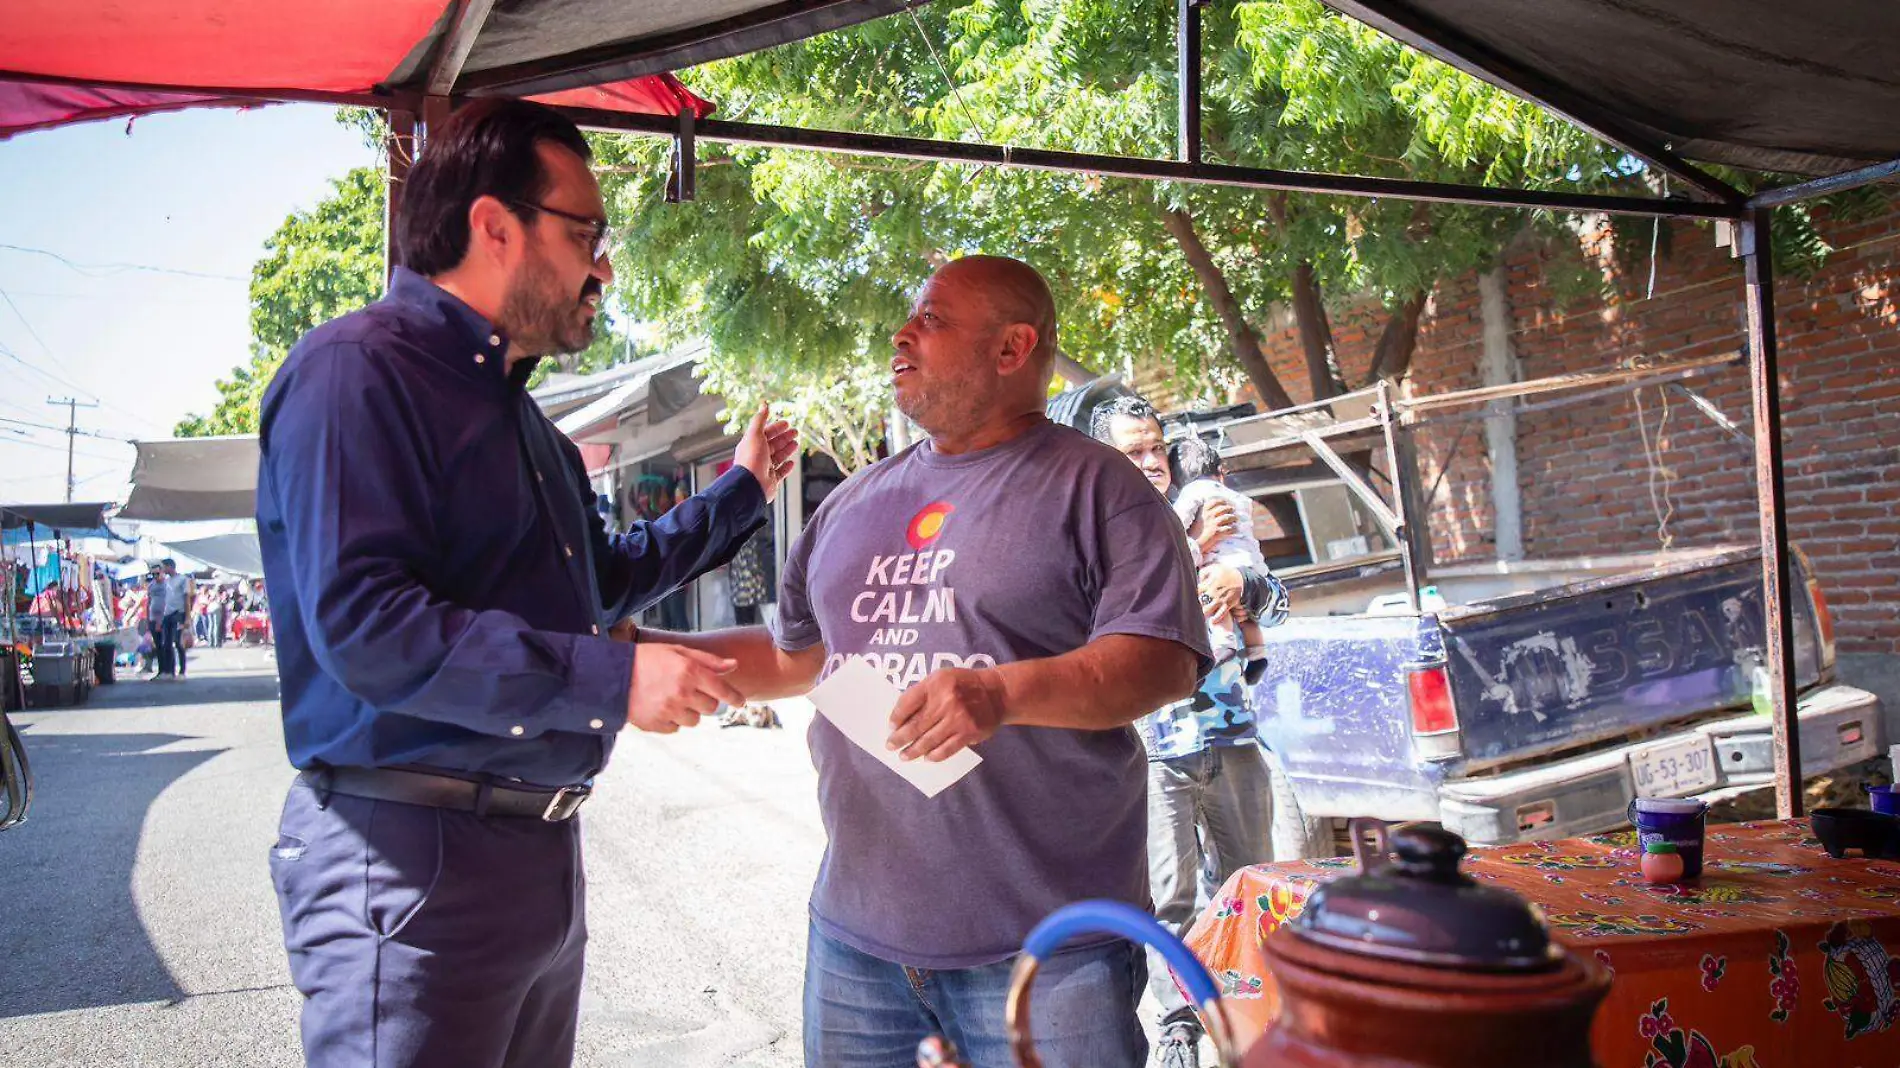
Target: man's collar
480,348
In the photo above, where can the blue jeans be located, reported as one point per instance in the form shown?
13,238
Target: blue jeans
864,1012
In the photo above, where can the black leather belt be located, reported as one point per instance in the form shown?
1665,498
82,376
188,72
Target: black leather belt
446,791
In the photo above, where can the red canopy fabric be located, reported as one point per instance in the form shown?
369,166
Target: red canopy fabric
65,61
28,106
340,46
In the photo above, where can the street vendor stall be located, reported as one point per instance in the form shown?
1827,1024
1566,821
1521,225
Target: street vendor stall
1779,955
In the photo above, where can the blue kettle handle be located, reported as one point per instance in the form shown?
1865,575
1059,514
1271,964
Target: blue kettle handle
1124,921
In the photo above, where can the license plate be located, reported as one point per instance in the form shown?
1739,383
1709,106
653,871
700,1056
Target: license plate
1674,769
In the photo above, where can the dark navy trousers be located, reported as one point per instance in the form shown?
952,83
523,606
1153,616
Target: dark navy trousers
427,938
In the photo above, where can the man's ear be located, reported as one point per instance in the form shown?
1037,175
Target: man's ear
491,227
1018,346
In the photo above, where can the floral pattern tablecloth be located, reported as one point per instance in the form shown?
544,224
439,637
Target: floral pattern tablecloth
1777,957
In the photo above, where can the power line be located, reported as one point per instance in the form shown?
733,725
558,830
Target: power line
22,361
62,430
61,449
102,270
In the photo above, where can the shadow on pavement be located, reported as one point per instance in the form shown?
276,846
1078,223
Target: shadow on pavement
210,689
70,936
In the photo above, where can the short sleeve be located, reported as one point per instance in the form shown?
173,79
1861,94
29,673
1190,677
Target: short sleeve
1147,580
795,627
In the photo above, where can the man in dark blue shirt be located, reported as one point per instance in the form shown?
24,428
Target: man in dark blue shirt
443,590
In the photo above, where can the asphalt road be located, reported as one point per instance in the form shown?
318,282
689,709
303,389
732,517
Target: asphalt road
138,927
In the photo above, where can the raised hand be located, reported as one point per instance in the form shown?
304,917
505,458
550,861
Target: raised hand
766,450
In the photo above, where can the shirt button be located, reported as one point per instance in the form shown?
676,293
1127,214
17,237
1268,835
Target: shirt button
596,724
539,477
568,549
479,358
494,339
596,628
516,731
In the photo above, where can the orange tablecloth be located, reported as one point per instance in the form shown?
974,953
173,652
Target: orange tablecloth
1778,957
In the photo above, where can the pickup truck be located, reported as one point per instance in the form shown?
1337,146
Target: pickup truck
1543,696
1508,700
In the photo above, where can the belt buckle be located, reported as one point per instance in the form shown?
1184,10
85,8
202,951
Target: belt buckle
565,802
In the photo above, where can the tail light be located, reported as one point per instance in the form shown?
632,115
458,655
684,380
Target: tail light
1432,710
1823,622
1434,715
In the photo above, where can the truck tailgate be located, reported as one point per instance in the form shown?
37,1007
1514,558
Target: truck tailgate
1536,674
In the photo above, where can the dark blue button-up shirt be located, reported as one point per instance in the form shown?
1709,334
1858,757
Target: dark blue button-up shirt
440,582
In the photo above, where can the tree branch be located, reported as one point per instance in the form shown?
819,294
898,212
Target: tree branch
1398,340
1242,341
1316,332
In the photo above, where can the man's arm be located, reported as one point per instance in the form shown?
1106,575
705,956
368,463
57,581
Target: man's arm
354,510
764,670
705,531
1108,683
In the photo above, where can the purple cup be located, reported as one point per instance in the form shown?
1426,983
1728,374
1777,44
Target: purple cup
1676,820
1884,799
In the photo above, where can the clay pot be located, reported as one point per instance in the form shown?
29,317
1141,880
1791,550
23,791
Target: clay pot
1412,964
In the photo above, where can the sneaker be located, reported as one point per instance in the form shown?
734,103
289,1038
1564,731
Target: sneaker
1180,1047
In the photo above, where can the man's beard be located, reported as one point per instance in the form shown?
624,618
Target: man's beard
541,319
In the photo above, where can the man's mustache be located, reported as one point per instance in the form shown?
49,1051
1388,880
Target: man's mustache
591,287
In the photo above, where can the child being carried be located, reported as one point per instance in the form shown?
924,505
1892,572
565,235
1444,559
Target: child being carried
1198,472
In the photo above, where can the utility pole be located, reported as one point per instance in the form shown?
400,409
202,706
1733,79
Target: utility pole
72,432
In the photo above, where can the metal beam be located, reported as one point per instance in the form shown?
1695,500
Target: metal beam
1402,22
1382,512
1771,500
1187,54
464,27
1415,532
1820,187
919,148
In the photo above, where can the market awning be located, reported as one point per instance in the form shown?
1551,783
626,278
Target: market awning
21,523
72,60
183,479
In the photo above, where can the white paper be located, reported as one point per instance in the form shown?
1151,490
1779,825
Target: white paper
858,699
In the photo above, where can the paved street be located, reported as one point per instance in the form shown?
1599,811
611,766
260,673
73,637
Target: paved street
138,928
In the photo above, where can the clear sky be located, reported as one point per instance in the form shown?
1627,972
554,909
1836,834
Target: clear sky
194,192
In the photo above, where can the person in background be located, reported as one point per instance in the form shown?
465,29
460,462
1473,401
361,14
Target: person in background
1210,799
169,605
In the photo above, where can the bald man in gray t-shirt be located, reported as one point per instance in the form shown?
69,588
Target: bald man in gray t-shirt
1034,596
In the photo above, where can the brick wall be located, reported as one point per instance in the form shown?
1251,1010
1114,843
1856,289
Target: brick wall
1634,471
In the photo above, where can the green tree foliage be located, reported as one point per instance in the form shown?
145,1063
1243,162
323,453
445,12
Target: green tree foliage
807,261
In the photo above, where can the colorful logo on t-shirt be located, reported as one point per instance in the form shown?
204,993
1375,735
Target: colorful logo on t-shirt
927,525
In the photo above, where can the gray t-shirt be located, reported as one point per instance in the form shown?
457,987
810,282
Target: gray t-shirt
1029,549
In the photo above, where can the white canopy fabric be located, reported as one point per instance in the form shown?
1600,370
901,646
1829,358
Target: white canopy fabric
185,479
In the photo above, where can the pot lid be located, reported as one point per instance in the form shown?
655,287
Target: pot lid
1417,907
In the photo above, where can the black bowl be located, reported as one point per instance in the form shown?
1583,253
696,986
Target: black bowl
1875,834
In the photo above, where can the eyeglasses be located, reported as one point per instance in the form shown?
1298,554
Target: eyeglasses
600,243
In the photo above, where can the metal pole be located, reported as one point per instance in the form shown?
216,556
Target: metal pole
72,434
1771,499
400,148
1167,170
1187,42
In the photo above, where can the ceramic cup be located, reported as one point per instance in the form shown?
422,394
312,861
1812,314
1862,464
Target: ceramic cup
1678,821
